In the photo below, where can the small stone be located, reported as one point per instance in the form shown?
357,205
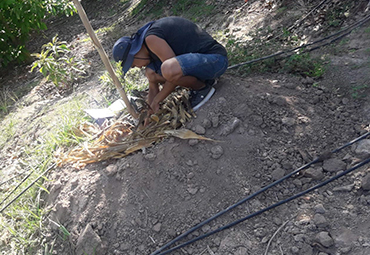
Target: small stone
314,173
294,249
193,142
280,100
320,221
297,183
363,148
277,174
189,162
199,130
334,165
222,100
288,121
157,227
325,239
320,209
207,123
206,228
150,156
217,151
141,247
308,80
215,121
193,191
345,100
190,175
89,242
346,188
230,127
260,232
111,170
365,183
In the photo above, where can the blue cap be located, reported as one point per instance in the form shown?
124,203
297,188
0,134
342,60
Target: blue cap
126,47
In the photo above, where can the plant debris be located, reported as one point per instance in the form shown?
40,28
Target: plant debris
123,137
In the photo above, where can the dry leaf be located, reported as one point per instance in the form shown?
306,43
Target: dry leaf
186,134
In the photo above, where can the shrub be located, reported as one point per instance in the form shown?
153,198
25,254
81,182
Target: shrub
18,18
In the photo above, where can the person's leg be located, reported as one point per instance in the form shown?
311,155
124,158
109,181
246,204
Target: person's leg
172,72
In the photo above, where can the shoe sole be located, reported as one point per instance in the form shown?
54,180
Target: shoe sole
205,100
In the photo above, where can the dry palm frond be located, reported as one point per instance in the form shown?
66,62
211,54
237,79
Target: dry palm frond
123,138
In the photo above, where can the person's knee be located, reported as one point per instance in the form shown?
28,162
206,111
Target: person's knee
171,70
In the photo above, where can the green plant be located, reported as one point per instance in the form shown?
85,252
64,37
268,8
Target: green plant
358,92
192,9
304,64
56,64
134,79
19,17
23,220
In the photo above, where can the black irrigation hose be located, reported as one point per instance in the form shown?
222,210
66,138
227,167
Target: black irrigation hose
318,159
19,184
268,208
29,186
350,28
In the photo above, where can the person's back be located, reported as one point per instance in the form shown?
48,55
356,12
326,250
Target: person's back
184,36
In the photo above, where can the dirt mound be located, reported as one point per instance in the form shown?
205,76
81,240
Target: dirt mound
264,127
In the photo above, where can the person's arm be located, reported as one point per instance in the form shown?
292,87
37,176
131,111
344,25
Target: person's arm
163,51
159,47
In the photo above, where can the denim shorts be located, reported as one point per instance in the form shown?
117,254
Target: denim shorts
202,66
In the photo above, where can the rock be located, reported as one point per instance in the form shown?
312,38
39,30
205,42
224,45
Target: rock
294,249
157,227
256,120
279,100
193,191
346,238
206,228
215,121
150,156
324,239
320,221
365,183
363,148
288,121
89,242
193,142
260,232
308,80
314,173
207,123
277,174
334,165
111,169
242,111
199,130
216,152
346,188
320,209
230,127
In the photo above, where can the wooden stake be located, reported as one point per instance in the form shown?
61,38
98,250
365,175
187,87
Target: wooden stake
104,57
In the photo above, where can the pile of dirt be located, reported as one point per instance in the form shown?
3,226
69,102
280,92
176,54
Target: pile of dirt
264,127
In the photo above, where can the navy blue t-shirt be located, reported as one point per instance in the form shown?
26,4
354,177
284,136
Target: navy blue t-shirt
183,36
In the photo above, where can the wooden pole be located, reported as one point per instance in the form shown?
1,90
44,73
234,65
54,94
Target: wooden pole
104,57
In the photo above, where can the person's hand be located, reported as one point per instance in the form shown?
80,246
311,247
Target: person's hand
154,108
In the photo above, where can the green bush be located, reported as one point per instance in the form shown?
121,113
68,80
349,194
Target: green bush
56,64
18,18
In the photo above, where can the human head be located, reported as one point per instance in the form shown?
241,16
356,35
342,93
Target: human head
126,47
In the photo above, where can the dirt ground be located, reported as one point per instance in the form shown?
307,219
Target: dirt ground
265,126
